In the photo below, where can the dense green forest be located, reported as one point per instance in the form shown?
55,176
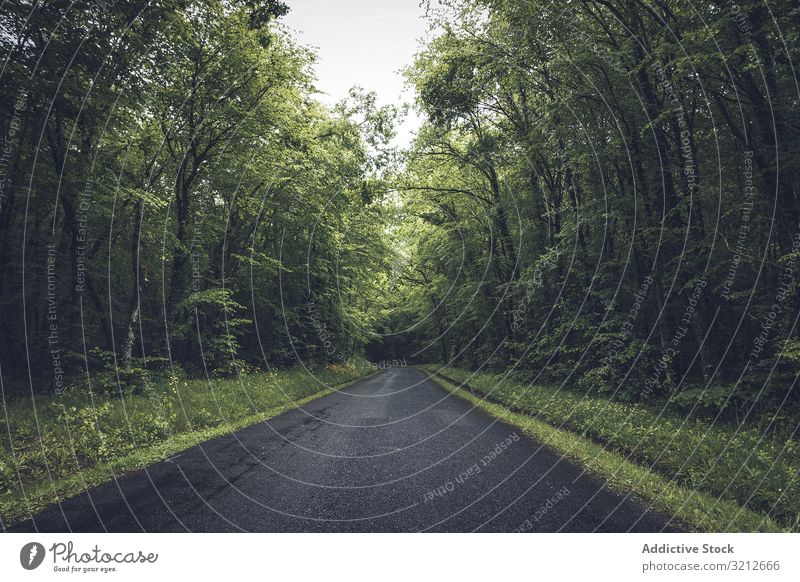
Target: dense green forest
602,197
603,194
175,198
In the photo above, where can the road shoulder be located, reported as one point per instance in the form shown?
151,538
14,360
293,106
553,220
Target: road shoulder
693,510
58,490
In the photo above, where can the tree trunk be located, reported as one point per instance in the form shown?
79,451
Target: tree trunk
136,270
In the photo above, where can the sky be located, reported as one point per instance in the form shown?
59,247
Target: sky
361,42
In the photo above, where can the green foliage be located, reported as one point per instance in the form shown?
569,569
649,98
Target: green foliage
583,170
203,192
211,318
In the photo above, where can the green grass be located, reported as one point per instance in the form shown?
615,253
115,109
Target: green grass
710,477
78,440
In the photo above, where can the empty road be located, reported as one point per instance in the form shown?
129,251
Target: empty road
393,452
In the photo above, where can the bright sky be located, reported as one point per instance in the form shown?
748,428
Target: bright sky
361,42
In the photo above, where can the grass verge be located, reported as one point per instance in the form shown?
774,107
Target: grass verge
71,442
697,509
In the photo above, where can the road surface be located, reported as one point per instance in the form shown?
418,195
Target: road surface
392,452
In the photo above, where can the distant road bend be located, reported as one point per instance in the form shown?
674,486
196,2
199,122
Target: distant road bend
390,453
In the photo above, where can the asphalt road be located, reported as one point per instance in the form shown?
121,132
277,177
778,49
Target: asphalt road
393,452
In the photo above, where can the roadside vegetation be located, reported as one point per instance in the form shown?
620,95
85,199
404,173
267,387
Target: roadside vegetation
713,477
54,447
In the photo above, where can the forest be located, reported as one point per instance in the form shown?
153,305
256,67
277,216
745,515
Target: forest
602,199
172,186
